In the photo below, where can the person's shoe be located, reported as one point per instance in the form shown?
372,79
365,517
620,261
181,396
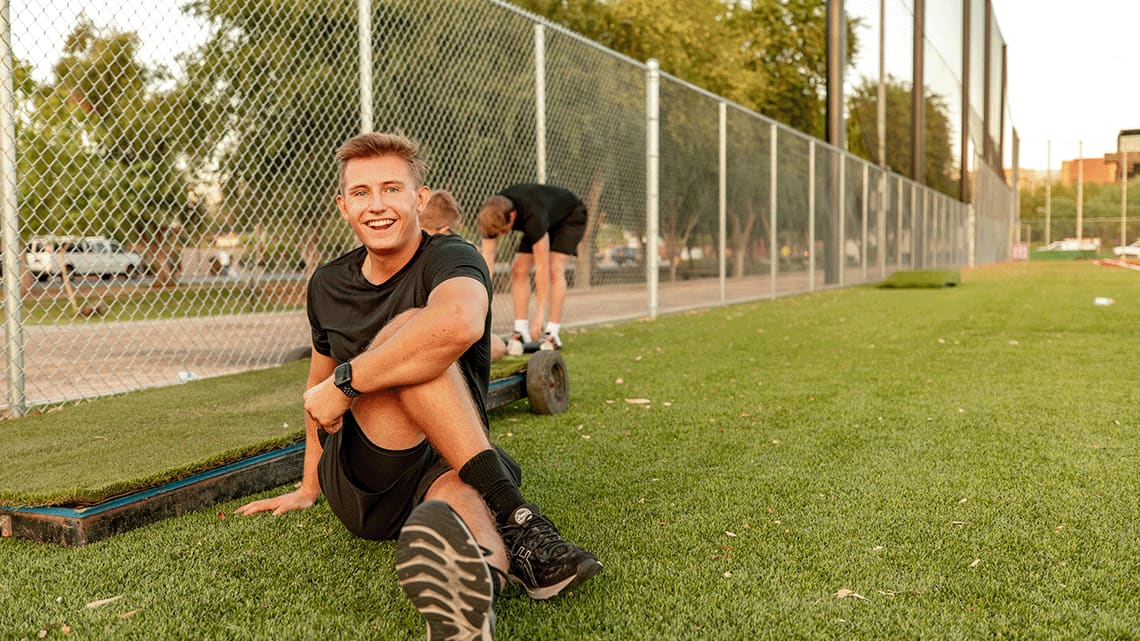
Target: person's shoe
441,568
549,341
543,562
515,345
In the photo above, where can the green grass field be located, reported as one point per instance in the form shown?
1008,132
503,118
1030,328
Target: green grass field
129,302
957,463
110,446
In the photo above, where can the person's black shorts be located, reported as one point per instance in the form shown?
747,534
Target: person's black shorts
406,475
564,235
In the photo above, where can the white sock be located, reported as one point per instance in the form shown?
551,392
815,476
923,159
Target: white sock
523,327
552,328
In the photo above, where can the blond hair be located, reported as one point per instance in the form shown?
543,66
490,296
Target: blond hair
374,145
441,211
493,214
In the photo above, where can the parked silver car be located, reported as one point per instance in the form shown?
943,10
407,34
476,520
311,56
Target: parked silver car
83,256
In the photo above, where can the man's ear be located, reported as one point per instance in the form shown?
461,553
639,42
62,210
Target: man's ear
340,206
423,194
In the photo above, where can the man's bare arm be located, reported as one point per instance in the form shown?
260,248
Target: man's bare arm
419,351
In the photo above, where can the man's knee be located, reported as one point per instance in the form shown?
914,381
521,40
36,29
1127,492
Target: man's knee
450,488
520,268
447,386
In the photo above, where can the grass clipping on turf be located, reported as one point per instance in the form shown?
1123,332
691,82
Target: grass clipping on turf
925,279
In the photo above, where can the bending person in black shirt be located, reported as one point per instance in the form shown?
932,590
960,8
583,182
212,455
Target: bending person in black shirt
396,425
552,221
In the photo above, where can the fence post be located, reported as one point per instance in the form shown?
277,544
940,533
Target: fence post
13,325
881,221
811,215
1123,201
722,199
364,45
540,102
1080,192
1048,190
899,227
863,235
652,158
839,215
773,173
913,225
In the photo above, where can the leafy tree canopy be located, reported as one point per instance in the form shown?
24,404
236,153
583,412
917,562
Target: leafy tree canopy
942,170
767,55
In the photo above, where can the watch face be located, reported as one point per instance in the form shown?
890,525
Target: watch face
342,375
342,378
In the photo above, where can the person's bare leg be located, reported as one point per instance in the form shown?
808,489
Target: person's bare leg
442,564
473,510
383,419
520,290
443,411
440,410
558,263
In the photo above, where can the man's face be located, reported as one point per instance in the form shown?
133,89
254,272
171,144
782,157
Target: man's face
381,202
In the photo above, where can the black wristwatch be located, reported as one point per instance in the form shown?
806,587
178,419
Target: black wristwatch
342,378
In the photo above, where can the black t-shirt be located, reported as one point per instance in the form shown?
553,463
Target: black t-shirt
346,311
539,207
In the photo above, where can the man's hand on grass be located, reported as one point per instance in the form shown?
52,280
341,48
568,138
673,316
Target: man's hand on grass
295,500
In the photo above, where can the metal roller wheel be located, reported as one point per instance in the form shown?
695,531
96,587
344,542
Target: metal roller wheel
547,384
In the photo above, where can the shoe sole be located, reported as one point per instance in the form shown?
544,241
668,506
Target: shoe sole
441,569
587,568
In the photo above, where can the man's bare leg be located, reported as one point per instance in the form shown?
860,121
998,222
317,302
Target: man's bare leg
558,264
443,411
473,510
520,291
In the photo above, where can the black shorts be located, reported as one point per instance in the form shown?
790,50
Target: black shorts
379,515
564,235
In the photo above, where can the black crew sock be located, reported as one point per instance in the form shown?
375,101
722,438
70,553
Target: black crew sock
486,473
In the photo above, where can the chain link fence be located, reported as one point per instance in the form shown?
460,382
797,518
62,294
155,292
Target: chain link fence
162,213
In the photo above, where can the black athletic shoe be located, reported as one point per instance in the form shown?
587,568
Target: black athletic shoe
441,568
541,560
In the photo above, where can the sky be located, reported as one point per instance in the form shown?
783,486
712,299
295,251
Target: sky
1072,74
1071,71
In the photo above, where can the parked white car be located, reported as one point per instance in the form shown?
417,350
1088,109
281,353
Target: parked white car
83,256
1127,251
1072,245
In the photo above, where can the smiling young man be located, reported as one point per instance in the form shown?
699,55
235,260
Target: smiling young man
396,425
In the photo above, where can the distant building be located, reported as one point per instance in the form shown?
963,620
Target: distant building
1093,170
1127,142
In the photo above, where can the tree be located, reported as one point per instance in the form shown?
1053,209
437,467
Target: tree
767,55
98,149
285,77
941,170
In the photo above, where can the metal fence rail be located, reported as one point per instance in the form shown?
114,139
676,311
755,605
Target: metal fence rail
213,173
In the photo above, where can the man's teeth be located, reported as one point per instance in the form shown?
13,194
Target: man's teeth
381,224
